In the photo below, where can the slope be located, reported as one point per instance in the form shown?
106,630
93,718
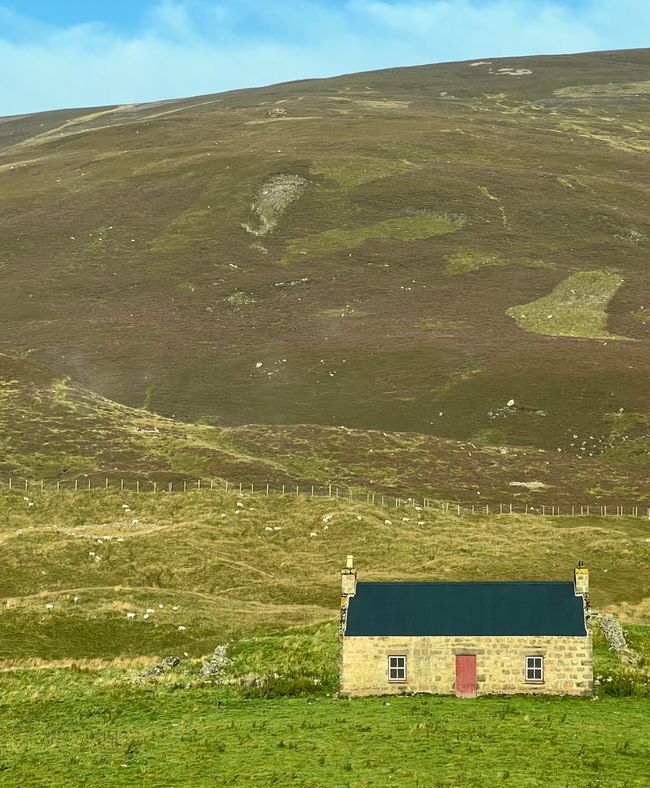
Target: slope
346,251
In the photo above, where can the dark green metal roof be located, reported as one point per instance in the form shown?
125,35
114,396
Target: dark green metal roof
511,608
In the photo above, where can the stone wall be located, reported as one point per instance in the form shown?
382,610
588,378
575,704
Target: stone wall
500,664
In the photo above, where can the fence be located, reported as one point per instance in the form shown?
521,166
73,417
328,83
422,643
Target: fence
418,503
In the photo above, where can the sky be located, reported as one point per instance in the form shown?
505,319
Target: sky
83,53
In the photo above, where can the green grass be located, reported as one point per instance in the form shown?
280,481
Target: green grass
355,171
575,308
94,728
474,260
406,228
105,724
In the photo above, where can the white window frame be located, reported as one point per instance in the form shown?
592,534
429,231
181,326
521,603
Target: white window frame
397,668
534,664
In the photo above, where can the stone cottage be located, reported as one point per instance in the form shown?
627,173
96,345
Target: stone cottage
465,638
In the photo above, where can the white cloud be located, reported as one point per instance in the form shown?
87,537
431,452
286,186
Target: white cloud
204,46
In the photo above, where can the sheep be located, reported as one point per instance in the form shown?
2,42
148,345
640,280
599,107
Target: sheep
49,606
182,628
130,616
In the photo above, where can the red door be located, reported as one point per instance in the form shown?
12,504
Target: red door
466,675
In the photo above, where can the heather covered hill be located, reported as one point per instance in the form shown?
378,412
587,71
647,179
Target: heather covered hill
405,250
52,428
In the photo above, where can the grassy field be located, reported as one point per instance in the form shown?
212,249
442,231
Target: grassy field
225,566
98,586
93,725
62,729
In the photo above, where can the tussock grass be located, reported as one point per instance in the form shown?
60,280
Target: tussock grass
236,571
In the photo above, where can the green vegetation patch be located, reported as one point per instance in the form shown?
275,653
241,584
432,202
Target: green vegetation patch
474,260
404,228
574,308
609,89
89,727
353,172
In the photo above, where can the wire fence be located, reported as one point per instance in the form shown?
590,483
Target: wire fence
342,493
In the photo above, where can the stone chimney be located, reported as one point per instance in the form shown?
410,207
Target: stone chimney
349,579
581,581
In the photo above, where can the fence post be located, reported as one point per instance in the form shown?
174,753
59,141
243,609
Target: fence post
212,484
58,485
283,489
106,483
137,486
170,487
121,484
267,489
297,490
155,486
10,487
76,484
42,485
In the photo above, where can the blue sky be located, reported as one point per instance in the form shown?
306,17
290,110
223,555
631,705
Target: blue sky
63,53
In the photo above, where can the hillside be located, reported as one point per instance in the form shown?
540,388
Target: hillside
225,566
53,429
399,251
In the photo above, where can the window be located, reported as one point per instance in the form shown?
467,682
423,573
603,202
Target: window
535,669
397,668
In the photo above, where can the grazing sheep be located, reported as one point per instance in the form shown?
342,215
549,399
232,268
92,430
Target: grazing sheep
130,616
49,606
182,628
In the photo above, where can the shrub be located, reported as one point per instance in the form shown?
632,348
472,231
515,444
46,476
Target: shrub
283,687
620,684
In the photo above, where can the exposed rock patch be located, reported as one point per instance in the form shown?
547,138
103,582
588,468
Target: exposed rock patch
272,199
217,664
611,628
